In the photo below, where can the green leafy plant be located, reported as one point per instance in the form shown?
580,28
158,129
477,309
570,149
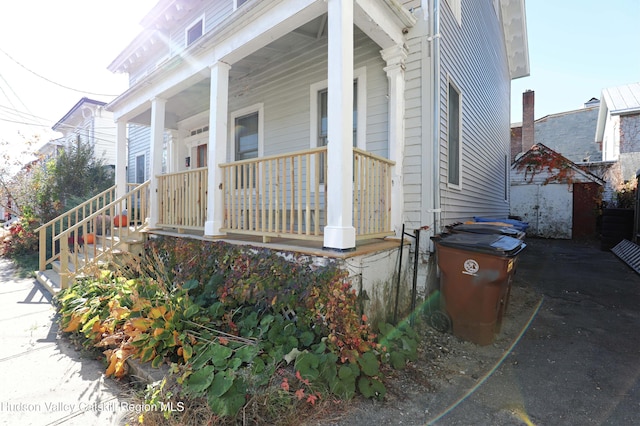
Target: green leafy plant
238,326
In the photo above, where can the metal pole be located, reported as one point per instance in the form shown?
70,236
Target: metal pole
395,311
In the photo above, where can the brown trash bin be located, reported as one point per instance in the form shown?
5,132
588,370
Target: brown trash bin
476,271
486,228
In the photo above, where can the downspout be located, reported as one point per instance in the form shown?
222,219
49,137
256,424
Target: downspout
434,17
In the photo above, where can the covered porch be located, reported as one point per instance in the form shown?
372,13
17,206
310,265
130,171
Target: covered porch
278,196
245,140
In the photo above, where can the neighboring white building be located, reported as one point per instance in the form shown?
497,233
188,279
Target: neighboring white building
87,121
618,128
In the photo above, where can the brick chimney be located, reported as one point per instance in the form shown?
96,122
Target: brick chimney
528,134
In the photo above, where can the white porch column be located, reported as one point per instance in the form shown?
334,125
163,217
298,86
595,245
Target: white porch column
395,58
158,106
217,148
121,158
339,233
173,161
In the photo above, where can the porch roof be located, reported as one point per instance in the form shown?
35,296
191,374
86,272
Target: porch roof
244,32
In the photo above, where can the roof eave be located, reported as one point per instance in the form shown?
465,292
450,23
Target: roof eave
77,106
514,22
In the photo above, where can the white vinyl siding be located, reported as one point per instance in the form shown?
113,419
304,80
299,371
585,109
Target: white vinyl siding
284,90
416,160
139,139
474,57
456,9
214,13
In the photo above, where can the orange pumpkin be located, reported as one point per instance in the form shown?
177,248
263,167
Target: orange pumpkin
90,239
119,221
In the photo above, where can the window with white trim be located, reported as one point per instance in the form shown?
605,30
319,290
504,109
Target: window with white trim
506,177
140,168
456,8
246,136
238,3
319,113
454,136
195,31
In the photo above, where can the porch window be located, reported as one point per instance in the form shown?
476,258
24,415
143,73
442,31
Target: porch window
195,31
140,168
246,128
453,121
323,121
201,155
246,142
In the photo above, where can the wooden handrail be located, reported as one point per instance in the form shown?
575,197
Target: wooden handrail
283,195
80,207
66,244
182,198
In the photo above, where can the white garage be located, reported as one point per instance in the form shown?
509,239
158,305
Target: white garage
555,196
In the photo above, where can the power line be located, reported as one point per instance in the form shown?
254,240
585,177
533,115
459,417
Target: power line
53,82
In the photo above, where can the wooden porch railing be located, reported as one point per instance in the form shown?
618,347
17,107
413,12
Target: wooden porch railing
66,238
280,195
284,195
371,194
183,199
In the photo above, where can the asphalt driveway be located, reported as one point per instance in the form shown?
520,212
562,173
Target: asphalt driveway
579,361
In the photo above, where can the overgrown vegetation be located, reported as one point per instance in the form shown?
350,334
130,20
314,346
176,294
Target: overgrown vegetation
43,189
20,244
245,333
626,194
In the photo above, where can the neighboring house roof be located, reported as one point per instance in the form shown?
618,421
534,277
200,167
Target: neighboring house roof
63,124
49,147
529,165
619,100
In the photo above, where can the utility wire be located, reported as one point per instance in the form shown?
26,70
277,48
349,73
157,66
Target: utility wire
53,82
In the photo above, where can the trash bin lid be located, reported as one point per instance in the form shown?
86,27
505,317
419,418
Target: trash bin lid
486,228
499,245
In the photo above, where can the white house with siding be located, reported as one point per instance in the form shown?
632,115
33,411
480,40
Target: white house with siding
327,122
87,121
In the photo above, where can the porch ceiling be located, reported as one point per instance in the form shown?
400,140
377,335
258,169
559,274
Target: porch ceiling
194,99
382,20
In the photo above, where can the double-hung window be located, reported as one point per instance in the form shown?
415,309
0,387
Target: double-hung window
140,168
454,130
247,140
323,121
246,136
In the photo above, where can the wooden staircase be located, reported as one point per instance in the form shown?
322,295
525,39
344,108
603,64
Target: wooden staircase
104,235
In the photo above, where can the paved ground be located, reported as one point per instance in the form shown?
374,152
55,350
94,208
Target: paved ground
45,381
579,361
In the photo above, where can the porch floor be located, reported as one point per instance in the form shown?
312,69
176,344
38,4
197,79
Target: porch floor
311,248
